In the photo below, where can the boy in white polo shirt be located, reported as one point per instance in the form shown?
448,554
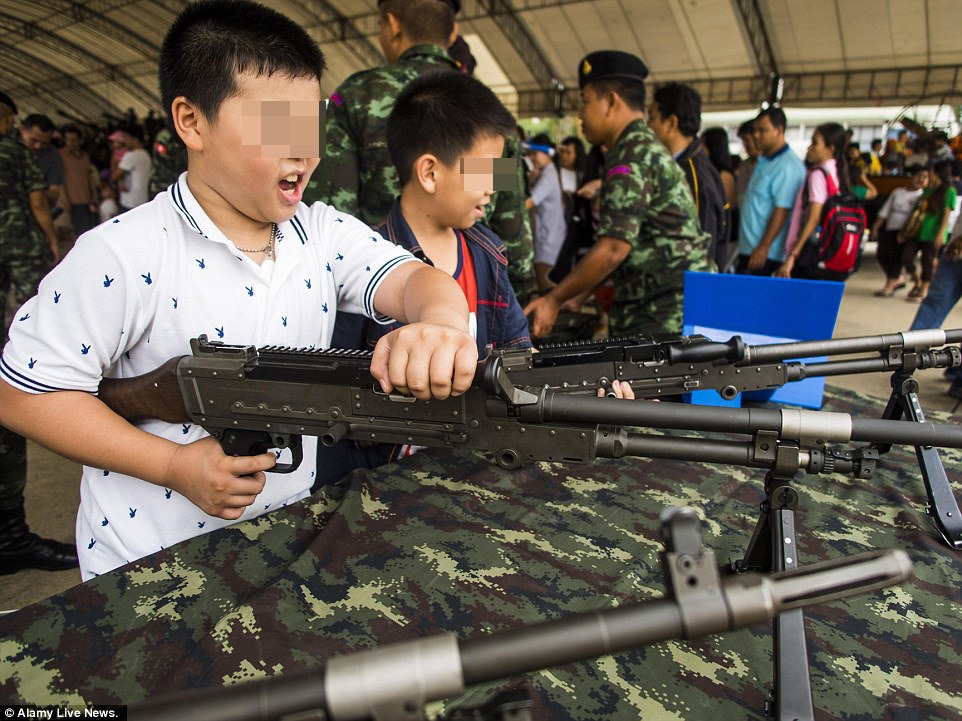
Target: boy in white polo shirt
231,252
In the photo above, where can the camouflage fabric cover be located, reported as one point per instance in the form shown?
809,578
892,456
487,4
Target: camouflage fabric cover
356,174
168,159
646,202
413,549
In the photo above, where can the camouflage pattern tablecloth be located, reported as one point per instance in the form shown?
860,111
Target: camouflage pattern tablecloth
448,541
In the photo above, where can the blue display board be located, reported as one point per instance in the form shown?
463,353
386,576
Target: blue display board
762,310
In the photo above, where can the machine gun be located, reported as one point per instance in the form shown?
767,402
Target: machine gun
520,410
268,397
395,682
691,363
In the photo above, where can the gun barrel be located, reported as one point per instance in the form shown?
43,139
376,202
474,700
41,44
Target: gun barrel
351,681
914,340
264,700
744,600
792,424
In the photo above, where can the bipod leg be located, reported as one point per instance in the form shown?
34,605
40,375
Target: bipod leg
943,508
773,548
792,688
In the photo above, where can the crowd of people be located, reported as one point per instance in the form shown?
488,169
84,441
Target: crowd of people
422,162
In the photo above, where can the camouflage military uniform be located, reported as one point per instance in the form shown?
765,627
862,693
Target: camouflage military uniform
24,259
357,176
168,157
646,202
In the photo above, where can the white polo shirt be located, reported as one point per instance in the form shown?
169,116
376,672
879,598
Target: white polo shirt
132,294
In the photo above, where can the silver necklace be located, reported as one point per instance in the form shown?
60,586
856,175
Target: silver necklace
269,248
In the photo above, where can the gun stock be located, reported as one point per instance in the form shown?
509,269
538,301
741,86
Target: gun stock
154,395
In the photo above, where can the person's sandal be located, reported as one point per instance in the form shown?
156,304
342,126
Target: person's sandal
914,293
884,293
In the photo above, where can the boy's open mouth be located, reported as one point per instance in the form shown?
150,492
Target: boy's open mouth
289,183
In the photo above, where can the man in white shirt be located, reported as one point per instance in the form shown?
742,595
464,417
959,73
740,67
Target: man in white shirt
133,171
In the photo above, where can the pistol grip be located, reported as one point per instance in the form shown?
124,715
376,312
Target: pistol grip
238,442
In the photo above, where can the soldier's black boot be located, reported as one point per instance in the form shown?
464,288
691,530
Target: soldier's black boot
20,549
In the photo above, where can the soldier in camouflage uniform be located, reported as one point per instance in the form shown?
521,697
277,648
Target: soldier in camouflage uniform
648,235
168,158
28,246
356,174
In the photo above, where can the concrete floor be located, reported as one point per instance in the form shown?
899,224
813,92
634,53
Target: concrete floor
53,484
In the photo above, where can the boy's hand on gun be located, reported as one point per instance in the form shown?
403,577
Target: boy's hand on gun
618,389
220,485
426,360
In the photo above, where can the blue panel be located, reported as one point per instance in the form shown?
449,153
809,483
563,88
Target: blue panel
763,310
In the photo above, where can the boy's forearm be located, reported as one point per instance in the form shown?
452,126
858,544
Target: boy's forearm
418,293
98,437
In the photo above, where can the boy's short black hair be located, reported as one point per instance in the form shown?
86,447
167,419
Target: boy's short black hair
775,115
213,41
443,113
684,103
746,128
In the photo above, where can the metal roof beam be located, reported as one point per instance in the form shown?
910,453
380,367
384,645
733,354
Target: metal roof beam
470,10
29,31
24,86
754,26
869,87
524,44
65,13
337,27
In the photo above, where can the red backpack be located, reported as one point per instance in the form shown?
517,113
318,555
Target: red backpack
833,251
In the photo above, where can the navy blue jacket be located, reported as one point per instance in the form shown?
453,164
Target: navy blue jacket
501,321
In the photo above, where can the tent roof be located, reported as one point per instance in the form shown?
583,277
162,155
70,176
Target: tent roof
87,58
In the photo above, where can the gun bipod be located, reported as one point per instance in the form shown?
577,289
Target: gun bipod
904,404
773,548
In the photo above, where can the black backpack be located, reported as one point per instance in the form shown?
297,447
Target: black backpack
834,249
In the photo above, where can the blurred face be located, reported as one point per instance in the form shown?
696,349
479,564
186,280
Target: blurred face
594,115
748,142
768,138
567,156
853,154
71,141
540,159
34,138
818,152
920,179
263,146
463,188
659,125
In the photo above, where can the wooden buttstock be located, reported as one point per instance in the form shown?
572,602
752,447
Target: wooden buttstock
153,395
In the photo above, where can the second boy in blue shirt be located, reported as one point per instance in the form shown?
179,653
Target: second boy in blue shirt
445,136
